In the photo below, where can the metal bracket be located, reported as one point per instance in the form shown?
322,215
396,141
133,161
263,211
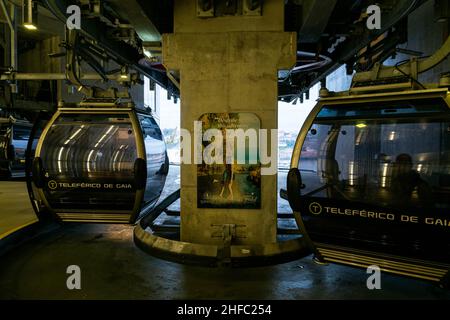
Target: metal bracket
228,233
205,8
224,230
218,8
445,281
412,68
414,73
252,8
375,71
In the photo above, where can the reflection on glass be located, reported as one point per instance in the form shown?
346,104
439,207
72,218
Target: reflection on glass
388,161
157,164
91,148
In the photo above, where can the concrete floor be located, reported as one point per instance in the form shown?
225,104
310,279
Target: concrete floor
15,207
113,268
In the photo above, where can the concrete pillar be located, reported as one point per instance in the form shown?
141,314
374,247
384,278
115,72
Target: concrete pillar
228,64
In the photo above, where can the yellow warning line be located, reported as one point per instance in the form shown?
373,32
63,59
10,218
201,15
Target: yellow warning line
7,233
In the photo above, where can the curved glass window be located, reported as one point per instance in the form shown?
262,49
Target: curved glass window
155,150
89,161
392,161
5,141
21,133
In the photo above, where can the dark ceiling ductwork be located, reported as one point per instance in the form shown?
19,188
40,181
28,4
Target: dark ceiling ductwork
150,19
124,30
314,25
98,31
341,40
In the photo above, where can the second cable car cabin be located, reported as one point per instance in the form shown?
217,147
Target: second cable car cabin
14,135
100,161
370,177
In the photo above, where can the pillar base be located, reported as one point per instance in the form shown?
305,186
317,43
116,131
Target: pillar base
216,256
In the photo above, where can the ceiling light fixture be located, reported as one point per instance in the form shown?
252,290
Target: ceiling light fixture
29,14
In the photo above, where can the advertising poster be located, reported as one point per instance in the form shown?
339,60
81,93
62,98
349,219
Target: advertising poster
236,182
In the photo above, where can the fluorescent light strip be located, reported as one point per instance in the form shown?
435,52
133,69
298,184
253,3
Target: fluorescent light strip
104,136
74,135
59,159
88,165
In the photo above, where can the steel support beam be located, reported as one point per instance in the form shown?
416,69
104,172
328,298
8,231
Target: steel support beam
314,24
412,68
55,76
